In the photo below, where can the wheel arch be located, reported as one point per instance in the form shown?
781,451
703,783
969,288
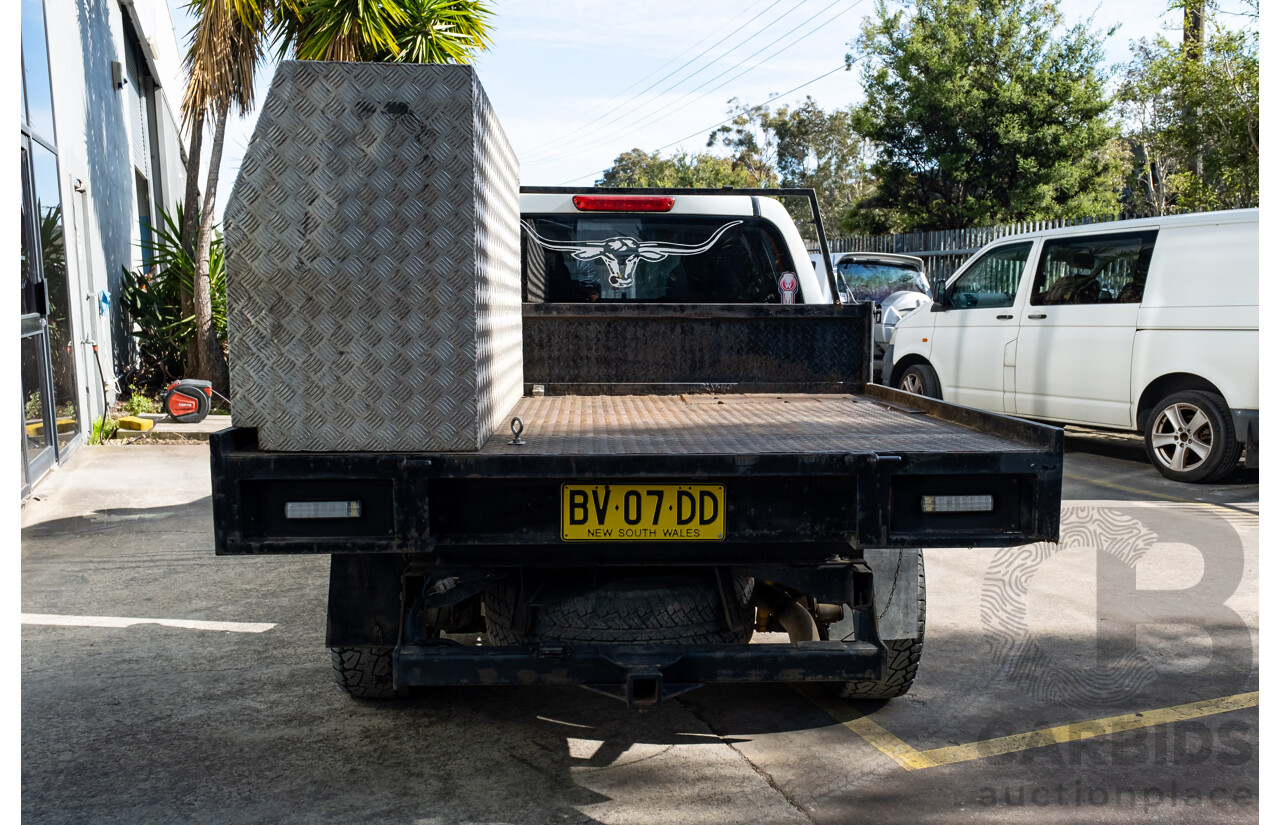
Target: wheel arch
1165,386
909,360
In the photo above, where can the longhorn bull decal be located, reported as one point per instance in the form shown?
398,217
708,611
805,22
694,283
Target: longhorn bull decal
621,255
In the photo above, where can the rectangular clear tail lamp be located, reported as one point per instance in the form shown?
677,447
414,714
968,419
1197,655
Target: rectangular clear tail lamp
957,504
321,509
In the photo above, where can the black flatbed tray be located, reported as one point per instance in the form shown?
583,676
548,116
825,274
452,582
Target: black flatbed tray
821,470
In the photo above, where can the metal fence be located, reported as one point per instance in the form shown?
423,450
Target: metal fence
945,250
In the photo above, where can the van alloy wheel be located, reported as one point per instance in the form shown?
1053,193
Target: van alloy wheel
920,379
1183,438
1191,438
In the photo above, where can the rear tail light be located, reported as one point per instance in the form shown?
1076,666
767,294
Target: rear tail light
321,509
957,504
623,203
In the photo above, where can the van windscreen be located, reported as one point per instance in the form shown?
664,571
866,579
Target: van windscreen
650,258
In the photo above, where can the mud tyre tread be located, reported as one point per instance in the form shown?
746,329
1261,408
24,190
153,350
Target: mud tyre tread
901,663
366,672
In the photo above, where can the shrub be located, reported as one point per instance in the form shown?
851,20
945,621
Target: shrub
152,298
139,403
98,436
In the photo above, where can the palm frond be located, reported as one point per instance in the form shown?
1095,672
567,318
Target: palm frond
152,299
442,31
344,29
226,46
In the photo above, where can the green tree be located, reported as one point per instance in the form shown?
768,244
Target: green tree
809,147
151,298
226,49
981,112
642,169
1189,106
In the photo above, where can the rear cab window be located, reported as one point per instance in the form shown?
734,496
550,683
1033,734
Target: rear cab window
655,258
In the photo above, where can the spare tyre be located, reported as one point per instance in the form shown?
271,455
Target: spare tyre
662,610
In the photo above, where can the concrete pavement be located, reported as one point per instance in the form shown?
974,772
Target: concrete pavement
230,714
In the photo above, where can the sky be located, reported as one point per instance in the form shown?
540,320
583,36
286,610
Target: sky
576,82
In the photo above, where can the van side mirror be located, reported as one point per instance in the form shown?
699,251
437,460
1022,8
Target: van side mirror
938,306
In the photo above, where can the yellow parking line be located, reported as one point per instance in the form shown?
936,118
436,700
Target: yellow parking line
879,738
912,759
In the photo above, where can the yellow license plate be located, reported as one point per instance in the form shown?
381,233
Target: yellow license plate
642,512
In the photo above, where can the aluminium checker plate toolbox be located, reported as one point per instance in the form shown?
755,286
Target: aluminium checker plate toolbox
373,262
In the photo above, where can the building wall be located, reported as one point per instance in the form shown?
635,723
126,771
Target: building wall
95,139
97,136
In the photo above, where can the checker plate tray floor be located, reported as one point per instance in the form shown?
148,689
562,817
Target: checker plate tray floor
731,425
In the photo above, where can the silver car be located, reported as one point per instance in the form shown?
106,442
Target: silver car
895,284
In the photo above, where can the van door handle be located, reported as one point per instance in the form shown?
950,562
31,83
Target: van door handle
1004,317
1038,316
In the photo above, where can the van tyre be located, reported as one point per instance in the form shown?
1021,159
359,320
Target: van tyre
902,658
366,672
920,379
670,610
1190,437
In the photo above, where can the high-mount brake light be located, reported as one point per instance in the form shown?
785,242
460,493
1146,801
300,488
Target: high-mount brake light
623,203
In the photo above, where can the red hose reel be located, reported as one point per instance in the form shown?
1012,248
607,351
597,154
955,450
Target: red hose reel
187,400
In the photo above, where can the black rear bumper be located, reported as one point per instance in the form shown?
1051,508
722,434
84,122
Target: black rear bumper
641,675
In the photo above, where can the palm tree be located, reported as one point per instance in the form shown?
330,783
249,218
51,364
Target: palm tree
408,31
226,48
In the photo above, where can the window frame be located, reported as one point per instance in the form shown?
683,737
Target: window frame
1146,237
949,302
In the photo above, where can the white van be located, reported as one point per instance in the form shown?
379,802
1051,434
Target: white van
1146,325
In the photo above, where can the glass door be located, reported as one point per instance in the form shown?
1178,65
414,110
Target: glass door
37,408
50,396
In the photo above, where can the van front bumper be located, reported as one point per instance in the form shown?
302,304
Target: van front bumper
886,366
1246,424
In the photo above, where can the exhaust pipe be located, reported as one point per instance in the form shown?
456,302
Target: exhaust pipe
797,621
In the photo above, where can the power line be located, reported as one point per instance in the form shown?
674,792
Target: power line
586,136
715,125
536,149
675,107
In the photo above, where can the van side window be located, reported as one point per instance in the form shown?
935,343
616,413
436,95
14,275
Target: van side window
1093,269
992,280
